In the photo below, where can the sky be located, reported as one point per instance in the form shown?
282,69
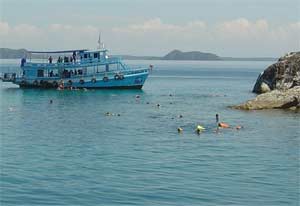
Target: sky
236,28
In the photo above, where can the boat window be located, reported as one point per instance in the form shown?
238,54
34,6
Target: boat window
95,55
85,56
40,73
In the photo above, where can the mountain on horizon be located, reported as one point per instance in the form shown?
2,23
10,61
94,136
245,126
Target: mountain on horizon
192,55
6,53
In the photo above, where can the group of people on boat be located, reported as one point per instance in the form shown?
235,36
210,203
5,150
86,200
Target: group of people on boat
51,74
65,59
66,73
69,73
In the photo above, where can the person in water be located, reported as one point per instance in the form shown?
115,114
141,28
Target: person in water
217,122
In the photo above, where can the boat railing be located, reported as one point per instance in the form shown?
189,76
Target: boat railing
78,63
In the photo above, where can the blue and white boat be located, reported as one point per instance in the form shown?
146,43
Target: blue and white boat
80,68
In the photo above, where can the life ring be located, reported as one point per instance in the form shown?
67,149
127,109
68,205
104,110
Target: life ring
61,86
35,82
70,82
94,80
119,77
23,82
81,81
105,79
54,84
45,84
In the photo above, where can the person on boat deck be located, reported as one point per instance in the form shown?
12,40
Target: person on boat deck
66,59
51,74
50,60
66,74
59,60
71,59
75,72
74,56
23,61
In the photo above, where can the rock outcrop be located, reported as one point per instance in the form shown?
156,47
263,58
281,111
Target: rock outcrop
282,75
276,99
278,86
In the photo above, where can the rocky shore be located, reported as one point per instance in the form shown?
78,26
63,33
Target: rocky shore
278,86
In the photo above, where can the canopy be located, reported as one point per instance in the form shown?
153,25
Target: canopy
57,52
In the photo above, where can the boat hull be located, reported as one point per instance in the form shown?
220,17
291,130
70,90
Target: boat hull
102,87
132,81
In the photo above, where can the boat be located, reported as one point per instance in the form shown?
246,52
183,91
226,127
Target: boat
75,69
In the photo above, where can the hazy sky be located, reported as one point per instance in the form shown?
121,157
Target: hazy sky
237,28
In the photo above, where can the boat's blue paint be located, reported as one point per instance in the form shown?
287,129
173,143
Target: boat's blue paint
130,80
91,69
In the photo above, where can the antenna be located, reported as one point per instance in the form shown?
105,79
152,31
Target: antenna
99,41
100,44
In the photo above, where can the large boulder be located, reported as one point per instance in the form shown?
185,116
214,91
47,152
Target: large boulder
278,86
276,99
282,75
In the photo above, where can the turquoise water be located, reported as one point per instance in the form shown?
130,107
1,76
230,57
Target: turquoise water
70,153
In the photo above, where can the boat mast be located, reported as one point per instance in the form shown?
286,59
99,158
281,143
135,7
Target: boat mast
100,44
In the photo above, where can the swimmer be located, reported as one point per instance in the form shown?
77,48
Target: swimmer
238,127
223,125
179,130
51,101
199,129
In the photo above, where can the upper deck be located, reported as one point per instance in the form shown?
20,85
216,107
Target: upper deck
71,59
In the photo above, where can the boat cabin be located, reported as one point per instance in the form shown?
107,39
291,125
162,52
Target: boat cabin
70,63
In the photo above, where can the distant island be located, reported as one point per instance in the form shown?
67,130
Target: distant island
6,53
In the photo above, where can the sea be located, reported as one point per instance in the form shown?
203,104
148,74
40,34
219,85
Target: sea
71,152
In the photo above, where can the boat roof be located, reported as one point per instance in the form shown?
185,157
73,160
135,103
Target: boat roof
92,51
56,52
66,51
